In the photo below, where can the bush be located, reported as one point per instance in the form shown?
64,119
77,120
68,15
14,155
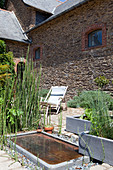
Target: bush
43,92
101,81
6,65
87,97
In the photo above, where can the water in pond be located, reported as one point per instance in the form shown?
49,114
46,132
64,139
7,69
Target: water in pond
50,150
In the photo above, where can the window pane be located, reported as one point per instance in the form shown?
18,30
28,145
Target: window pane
95,38
37,53
40,17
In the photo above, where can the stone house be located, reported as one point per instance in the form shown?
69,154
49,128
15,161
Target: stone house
73,40
12,33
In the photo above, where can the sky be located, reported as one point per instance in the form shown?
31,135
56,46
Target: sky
63,0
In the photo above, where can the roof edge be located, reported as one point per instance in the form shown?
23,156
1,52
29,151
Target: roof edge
25,42
58,15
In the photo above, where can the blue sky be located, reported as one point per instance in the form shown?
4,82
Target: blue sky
63,0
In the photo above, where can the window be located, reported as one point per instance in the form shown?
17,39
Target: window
37,53
40,17
95,38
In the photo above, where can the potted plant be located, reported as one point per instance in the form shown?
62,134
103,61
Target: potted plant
48,127
98,142
39,129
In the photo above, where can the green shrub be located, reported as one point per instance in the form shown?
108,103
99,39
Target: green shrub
73,103
101,81
6,65
43,92
87,97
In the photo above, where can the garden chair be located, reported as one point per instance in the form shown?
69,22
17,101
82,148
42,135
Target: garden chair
53,99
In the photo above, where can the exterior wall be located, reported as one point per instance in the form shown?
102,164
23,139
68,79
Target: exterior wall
26,15
19,49
63,60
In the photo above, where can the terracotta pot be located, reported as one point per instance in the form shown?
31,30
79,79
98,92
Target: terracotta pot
39,130
48,129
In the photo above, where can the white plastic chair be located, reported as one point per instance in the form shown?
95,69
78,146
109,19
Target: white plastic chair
54,97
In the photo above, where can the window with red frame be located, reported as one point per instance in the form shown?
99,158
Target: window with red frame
94,37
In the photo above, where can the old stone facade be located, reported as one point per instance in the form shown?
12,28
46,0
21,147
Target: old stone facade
64,61
19,49
25,14
65,56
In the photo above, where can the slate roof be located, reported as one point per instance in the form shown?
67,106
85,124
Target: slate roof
67,5
61,9
44,5
10,28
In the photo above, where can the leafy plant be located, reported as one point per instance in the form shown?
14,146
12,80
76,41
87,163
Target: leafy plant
6,65
101,81
87,114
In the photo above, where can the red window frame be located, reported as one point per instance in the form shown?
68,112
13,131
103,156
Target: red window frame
88,31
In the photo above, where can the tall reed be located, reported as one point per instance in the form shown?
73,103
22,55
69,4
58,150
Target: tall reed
21,100
102,124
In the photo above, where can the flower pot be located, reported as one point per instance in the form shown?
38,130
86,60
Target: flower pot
39,130
48,129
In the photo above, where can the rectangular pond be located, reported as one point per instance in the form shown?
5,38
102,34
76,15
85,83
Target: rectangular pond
50,152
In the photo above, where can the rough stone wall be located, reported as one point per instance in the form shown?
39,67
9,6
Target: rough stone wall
63,60
19,49
25,14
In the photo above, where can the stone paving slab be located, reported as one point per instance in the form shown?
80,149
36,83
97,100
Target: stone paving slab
102,167
6,163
